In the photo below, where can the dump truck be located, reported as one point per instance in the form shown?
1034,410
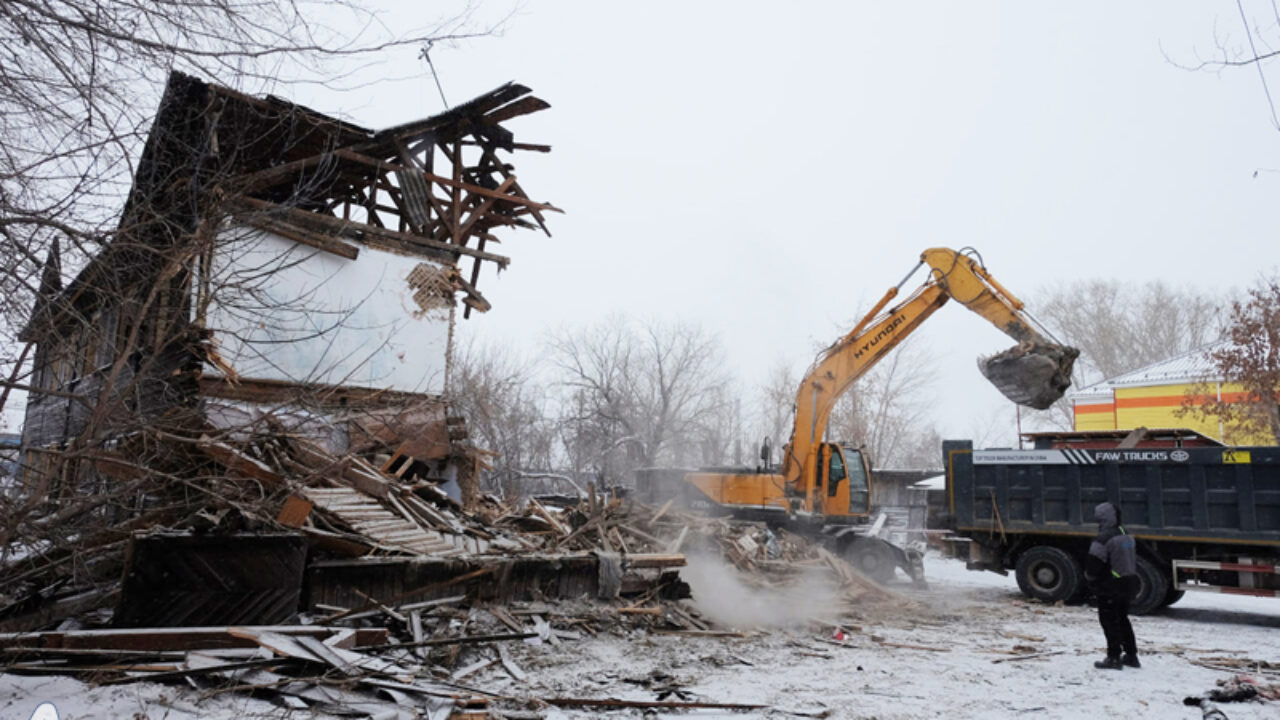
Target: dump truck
1204,518
822,489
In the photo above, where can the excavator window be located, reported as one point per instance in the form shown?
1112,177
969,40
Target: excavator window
859,488
835,472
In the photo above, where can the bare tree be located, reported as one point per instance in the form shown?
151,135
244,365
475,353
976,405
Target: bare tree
507,413
1251,359
1120,327
637,396
888,410
776,403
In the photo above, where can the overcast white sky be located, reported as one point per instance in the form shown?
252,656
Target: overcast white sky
769,169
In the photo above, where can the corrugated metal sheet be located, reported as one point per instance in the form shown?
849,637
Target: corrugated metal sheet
1193,366
368,517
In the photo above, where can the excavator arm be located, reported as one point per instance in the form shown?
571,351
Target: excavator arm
1035,372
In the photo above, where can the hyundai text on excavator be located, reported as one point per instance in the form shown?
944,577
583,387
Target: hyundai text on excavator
824,488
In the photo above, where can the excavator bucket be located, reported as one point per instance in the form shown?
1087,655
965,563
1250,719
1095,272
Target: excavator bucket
1031,374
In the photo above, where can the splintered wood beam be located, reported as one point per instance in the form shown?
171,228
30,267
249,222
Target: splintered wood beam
533,147
458,238
370,205
237,462
519,199
452,118
405,241
491,155
306,237
473,299
270,176
444,229
475,277
524,106
484,207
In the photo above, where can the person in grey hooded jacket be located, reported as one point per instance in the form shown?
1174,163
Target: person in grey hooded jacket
1111,569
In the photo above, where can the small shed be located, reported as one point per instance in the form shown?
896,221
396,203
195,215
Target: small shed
1151,397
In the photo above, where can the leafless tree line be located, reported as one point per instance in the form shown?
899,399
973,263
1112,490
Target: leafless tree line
621,394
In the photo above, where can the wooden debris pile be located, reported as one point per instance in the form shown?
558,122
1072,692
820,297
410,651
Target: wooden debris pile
766,557
68,555
397,660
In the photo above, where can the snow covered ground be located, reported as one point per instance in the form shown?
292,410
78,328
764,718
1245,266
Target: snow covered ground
929,656
971,618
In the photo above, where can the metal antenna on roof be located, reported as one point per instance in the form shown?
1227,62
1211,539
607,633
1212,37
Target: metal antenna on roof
425,54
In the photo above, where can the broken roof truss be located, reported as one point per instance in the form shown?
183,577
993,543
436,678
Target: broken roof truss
435,187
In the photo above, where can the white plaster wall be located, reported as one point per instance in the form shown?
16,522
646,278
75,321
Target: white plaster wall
280,310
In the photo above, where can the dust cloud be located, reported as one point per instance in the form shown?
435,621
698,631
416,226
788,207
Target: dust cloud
722,596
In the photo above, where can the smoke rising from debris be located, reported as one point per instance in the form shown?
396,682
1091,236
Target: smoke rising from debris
722,596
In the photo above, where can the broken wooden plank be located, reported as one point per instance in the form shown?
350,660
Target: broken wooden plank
161,639
546,515
1028,657
523,106
647,704
656,560
292,232
295,511
369,234
428,604
193,672
679,541
661,511
415,626
705,633
461,640
514,670
472,668
907,646
237,462
327,653
640,611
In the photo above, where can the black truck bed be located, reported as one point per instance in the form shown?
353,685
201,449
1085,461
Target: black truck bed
1218,495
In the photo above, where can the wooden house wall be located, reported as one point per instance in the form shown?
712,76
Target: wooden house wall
382,320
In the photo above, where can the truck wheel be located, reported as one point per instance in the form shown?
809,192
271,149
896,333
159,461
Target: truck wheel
1049,574
1153,587
871,558
1172,596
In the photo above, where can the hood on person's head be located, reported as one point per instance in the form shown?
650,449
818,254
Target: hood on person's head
1107,516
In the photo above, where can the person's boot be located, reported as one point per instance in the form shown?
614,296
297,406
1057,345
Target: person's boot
1111,662
1131,659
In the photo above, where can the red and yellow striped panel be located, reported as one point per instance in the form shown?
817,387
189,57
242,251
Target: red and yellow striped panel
1095,416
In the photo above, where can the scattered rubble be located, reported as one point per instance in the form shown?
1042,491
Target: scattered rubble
346,582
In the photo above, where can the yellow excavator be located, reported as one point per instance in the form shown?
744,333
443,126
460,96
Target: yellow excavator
824,488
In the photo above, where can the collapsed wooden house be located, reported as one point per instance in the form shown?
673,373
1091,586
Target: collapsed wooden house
275,261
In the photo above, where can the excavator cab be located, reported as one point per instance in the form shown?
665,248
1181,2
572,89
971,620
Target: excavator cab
844,475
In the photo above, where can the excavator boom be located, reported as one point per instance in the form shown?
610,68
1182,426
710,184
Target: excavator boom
1035,372
824,488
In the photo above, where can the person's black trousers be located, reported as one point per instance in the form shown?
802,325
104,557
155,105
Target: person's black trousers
1113,614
